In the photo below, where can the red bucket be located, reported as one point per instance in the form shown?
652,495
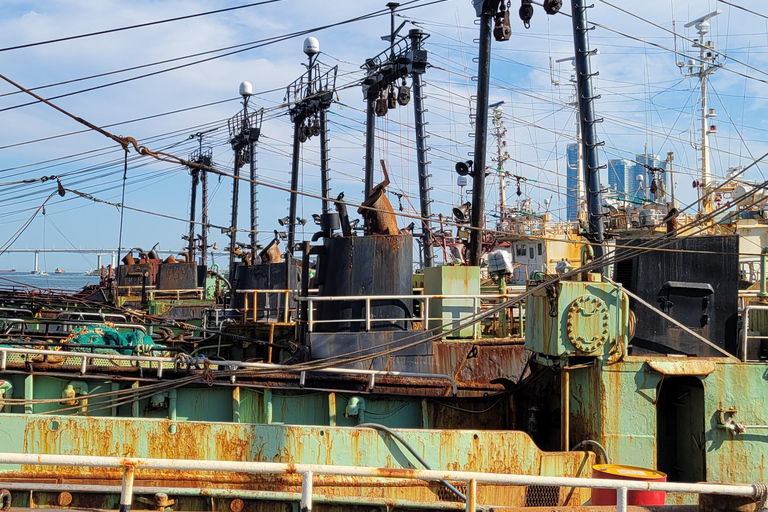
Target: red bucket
618,472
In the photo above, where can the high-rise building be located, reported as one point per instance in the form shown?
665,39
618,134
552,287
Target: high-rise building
572,181
620,177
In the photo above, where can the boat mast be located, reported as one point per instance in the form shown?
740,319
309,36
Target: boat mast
702,70
486,11
587,121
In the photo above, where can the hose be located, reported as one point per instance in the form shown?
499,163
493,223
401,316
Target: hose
397,436
589,442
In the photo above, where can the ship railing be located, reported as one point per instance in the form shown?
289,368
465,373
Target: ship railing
49,327
154,293
159,363
746,337
273,306
129,467
465,306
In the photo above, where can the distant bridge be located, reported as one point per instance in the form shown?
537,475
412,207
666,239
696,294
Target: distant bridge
100,252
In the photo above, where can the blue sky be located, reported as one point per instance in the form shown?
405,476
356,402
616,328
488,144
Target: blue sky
645,102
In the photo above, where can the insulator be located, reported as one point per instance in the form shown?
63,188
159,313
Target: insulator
303,134
316,127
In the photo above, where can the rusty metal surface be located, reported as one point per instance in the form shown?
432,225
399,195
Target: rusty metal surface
177,276
466,450
686,366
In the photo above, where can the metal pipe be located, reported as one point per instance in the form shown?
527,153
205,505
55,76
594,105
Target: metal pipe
126,493
621,499
565,410
481,133
370,145
204,230
763,255
233,223
471,500
33,459
235,364
29,394
325,179
192,204
421,155
294,188
410,448
172,410
589,442
587,121
229,494
306,491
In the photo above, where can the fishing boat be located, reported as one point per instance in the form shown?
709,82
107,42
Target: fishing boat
59,270
337,378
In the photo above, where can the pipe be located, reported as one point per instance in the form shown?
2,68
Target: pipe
294,195
589,442
172,410
763,255
565,408
230,494
126,493
34,459
306,492
392,433
6,393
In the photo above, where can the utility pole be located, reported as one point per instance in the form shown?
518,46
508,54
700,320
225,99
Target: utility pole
404,57
588,120
499,132
244,132
705,67
202,157
309,97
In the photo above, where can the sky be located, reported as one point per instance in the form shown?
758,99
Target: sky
646,102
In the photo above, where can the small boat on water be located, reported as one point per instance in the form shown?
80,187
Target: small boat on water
39,272
59,270
8,271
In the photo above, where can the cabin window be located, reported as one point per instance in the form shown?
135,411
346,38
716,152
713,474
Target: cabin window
540,249
521,250
530,252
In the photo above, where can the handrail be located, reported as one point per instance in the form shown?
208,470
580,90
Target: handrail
233,365
307,471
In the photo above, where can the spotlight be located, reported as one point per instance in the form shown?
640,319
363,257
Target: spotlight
464,168
462,213
301,221
316,218
284,221
354,223
282,235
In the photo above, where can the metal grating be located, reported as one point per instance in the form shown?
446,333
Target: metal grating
445,494
542,496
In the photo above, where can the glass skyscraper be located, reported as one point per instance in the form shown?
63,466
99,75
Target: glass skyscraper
572,181
620,177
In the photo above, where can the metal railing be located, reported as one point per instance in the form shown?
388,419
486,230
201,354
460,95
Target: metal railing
51,326
470,305
162,362
253,312
745,336
129,467
154,293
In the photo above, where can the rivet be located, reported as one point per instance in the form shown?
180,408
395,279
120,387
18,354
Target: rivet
236,505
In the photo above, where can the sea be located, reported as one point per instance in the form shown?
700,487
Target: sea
70,282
